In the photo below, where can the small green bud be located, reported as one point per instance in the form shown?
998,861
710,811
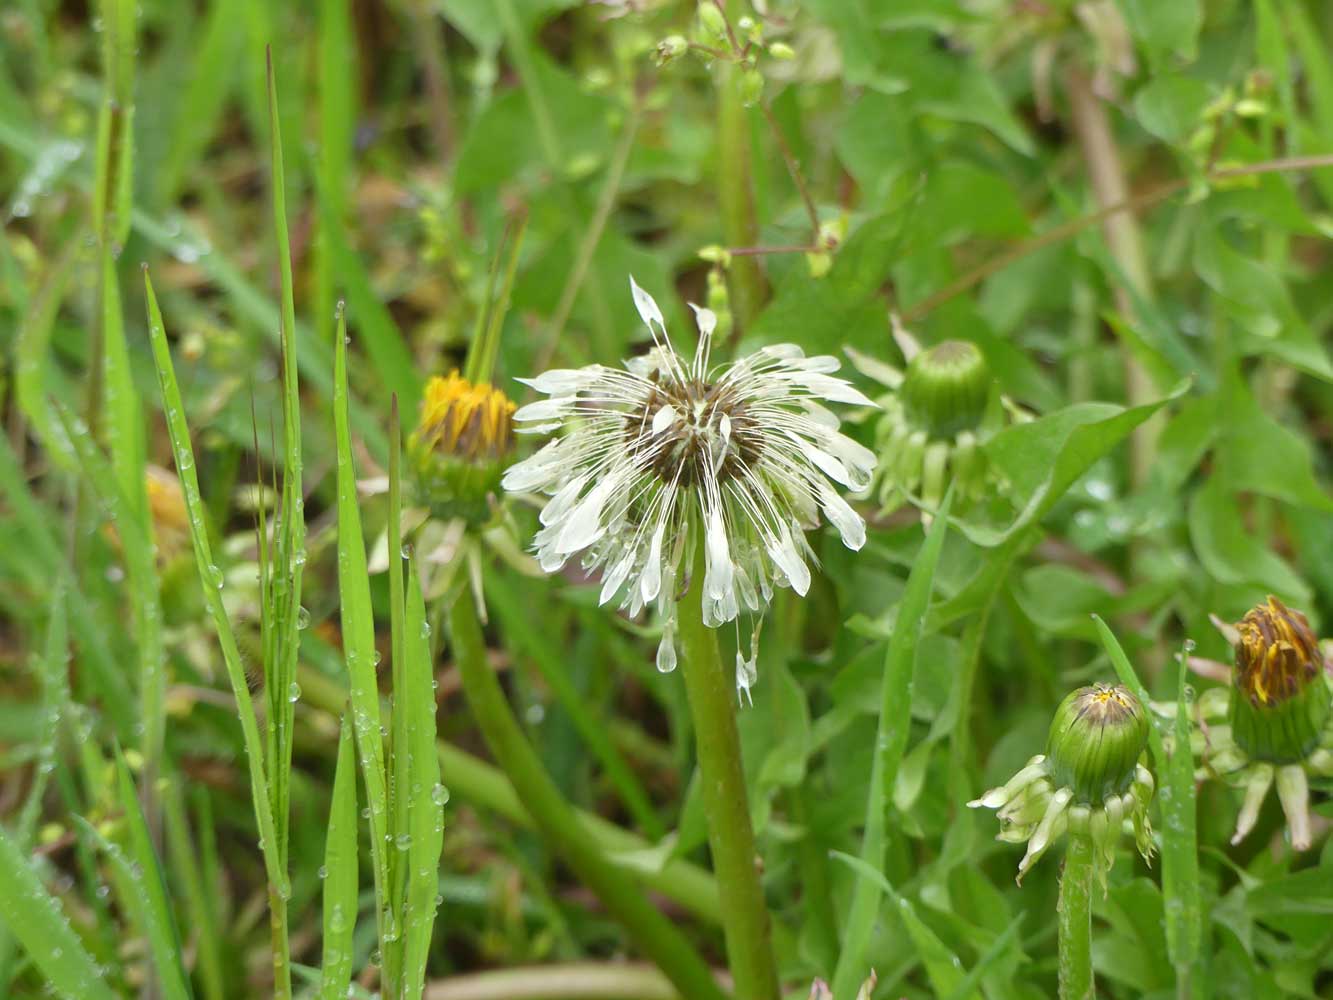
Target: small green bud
781,50
715,254
712,22
1095,742
752,87
946,388
670,48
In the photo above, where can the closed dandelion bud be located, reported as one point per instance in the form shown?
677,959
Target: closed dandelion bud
935,424
1280,703
461,445
1089,781
946,389
1095,742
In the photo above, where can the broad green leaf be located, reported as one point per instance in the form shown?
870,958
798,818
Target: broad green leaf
340,872
1164,30
1259,304
37,920
1043,458
1170,106
1230,552
1265,457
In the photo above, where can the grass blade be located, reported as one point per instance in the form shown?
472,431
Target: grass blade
894,724
427,795
149,891
210,578
340,872
358,628
1177,801
400,749
35,918
200,907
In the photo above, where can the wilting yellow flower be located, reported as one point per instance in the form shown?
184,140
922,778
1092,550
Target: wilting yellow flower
464,420
1272,726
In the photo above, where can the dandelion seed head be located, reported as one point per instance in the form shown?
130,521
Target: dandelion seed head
669,453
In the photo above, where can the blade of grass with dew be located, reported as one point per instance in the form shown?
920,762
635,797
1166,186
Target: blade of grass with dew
523,636
337,119
105,675
151,891
55,704
35,918
112,184
32,355
401,711
485,343
199,910
427,795
358,628
340,871
54,666
1177,801
211,580
942,966
890,743
286,572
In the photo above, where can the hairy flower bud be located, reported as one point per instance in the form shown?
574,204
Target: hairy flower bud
1281,701
1095,742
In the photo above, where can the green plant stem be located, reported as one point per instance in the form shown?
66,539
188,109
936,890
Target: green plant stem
557,821
282,955
712,695
1075,913
736,191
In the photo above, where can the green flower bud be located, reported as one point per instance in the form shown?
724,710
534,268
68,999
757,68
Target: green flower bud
1095,742
669,48
1281,701
752,87
781,50
946,388
712,22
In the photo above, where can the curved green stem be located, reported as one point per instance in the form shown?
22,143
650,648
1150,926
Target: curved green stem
655,936
712,696
1076,921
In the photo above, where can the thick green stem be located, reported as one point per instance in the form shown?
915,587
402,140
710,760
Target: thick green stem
1076,921
712,696
655,936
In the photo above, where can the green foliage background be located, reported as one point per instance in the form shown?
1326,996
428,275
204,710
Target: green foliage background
1174,350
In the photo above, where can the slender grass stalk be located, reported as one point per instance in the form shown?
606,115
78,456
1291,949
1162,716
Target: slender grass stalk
712,696
558,822
1075,921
